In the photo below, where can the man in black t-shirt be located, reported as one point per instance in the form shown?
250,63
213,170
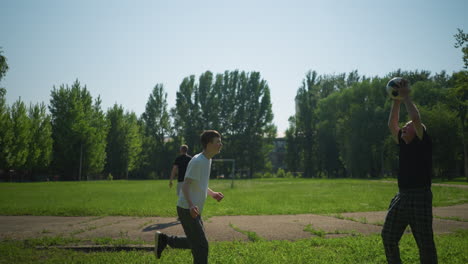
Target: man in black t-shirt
179,167
412,205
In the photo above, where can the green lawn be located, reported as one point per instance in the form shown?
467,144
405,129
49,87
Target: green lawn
451,248
458,181
254,197
461,181
249,197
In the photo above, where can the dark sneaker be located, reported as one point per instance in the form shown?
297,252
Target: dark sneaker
160,243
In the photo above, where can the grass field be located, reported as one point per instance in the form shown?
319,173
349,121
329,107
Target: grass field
461,181
248,197
458,181
452,249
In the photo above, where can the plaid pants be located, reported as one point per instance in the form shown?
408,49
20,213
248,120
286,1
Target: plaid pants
414,208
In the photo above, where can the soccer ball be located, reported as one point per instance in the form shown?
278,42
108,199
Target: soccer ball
393,87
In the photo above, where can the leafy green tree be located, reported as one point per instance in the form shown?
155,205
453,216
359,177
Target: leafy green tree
311,131
461,39
186,114
97,130
444,130
157,128
40,146
134,141
20,124
3,65
390,157
256,128
292,159
458,102
352,78
6,132
459,94
124,142
441,80
197,108
237,104
306,101
227,86
115,164
79,130
327,146
428,93
207,95
245,119
341,125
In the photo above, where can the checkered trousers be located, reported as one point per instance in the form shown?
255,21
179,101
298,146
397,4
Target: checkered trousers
411,207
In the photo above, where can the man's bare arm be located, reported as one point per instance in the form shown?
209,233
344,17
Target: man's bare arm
415,117
393,119
411,108
174,172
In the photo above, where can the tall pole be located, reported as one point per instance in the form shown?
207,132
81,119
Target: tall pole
81,161
233,174
382,161
233,170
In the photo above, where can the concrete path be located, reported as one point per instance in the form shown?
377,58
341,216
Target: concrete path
219,228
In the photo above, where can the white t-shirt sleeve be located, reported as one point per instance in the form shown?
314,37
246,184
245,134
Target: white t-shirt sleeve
193,170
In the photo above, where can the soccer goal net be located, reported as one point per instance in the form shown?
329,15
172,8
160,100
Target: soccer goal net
224,169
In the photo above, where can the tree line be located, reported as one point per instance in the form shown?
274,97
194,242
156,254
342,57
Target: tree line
339,128
340,125
76,140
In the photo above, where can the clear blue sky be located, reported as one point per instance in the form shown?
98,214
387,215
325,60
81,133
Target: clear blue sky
121,49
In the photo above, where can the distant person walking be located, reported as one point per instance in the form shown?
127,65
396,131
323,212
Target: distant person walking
179,167
191,201
412,205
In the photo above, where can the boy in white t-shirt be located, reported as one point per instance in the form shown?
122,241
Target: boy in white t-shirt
191,201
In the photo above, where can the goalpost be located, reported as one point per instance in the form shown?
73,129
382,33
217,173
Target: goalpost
233,170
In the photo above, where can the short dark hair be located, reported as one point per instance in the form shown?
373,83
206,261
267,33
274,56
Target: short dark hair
207,136
184,148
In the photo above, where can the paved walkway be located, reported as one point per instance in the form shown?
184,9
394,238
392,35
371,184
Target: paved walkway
219,228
